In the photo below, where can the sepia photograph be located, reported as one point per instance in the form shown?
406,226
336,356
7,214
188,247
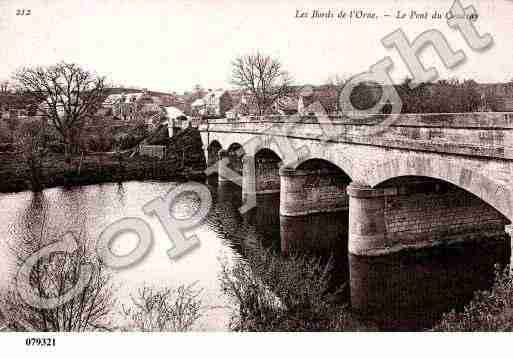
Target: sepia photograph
173,166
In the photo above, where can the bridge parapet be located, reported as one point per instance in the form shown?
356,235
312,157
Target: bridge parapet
458,120
486,134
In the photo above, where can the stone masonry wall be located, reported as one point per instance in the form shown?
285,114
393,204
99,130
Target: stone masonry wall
267,176
412,219
306,193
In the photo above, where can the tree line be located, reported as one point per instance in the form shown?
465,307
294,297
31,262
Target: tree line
443,96
67,96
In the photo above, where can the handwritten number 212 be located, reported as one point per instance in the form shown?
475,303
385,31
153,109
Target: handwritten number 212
21,12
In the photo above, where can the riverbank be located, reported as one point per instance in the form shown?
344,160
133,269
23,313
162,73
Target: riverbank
184,160
296,293
89,169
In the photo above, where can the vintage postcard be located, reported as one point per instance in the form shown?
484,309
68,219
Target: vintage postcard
254,166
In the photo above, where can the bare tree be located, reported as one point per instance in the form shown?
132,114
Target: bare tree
263,77
32,148
153,309
52,277
66,94
12,122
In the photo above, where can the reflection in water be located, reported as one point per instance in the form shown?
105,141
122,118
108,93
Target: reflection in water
258,224
318,233
321,234
121,192
33,216
401,291
410,290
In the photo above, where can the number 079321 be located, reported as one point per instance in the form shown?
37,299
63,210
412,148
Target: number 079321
40,342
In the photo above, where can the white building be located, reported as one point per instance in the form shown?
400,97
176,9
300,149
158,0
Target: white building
214,103
130,106
175,118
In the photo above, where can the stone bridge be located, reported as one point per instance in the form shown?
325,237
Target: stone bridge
422,180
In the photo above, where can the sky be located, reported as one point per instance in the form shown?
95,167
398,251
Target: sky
171,45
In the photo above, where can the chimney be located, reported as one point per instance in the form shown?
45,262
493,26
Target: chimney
300,105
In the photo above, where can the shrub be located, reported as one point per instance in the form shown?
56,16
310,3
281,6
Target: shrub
56,147
7,147
51,277
284,293
258,307
127,142
101,143
164,309
489,310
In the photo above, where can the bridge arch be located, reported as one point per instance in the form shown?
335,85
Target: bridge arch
267,153
213,152
490,190
386,215
266,168
257,144
236,147
319,152
419,211
235,154
315,185
322,166
413,212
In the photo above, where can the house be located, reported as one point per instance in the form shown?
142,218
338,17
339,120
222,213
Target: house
238,111
198,107
320,99
325,96
247,107
176,119
132,106
241,109
214,103
497,96
17,105
287,106
60,106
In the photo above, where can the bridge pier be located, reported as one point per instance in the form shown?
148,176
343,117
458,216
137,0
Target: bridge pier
212,153
304,192
249,179
235,155
223,167
260,175
367,229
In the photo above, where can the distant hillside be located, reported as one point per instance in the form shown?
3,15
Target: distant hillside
496,96
119,90
167,99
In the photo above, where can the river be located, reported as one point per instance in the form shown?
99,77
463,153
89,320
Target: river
406,291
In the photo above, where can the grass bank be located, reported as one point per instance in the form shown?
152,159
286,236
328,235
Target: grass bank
89,169
293,293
